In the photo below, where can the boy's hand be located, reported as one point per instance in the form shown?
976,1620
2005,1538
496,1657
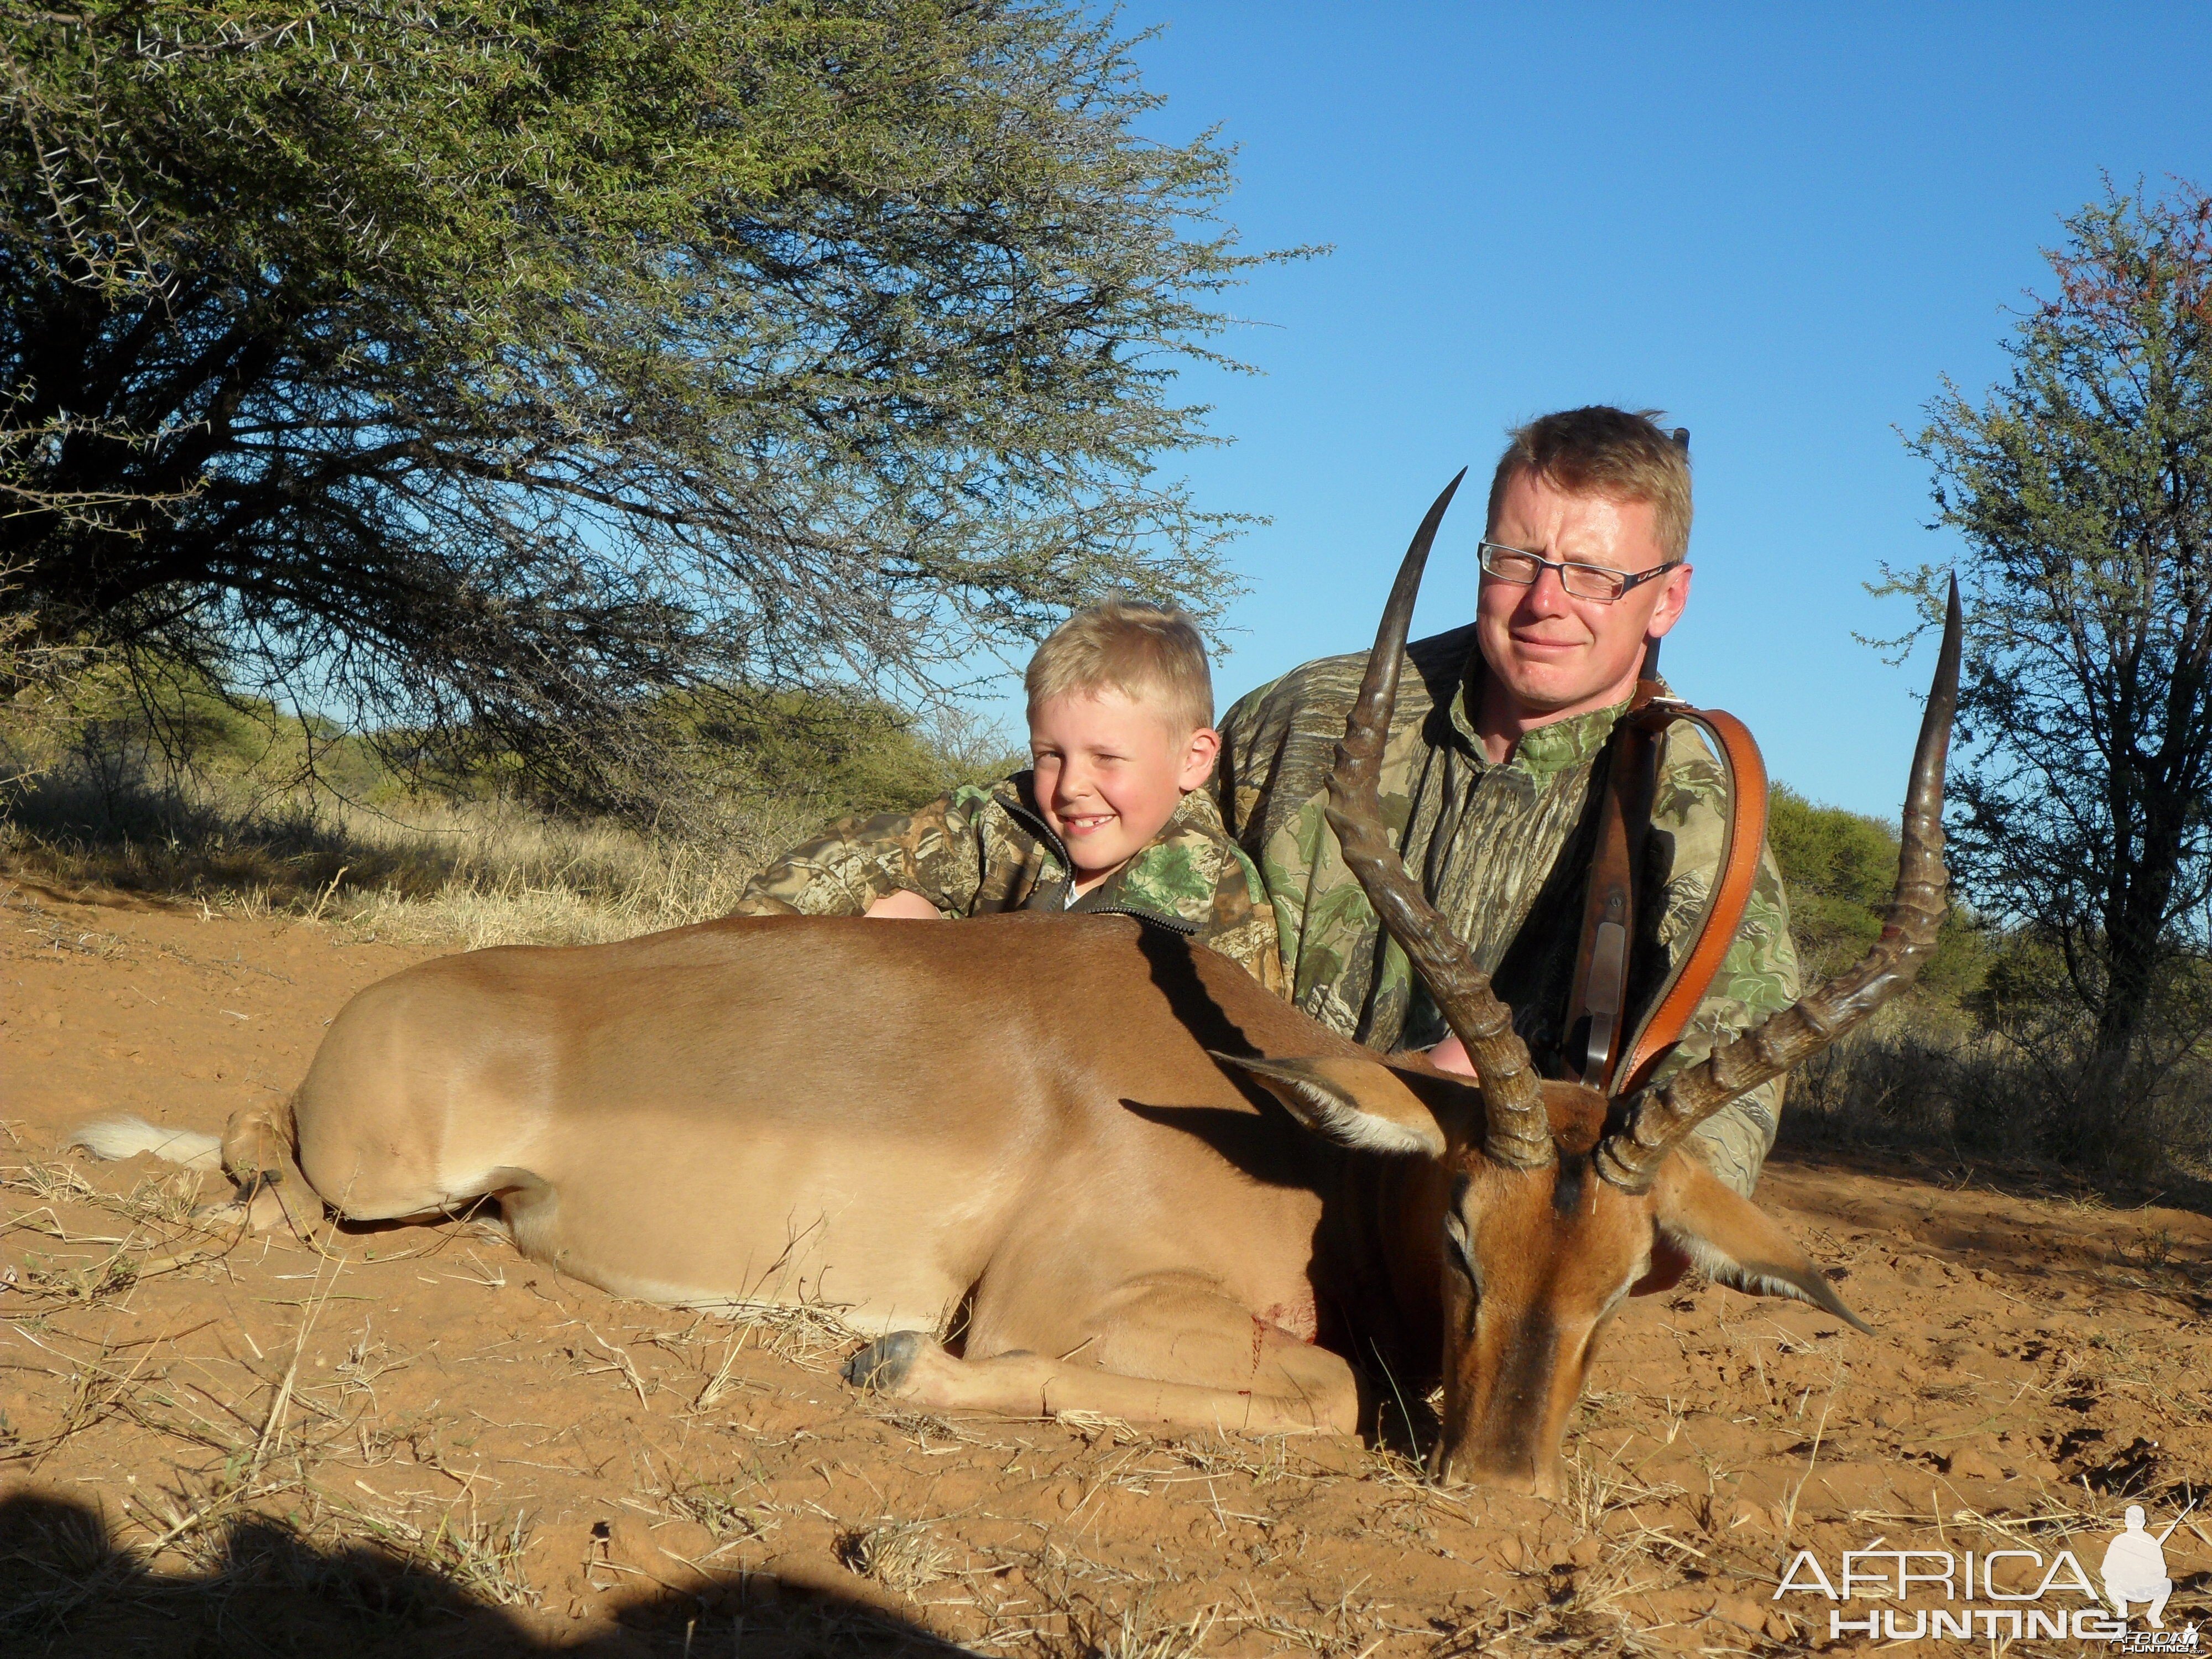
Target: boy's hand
903,905
1450,1055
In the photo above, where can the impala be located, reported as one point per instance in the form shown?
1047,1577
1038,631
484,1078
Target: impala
1155,1191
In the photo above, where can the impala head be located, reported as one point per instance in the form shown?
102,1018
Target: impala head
1547,1201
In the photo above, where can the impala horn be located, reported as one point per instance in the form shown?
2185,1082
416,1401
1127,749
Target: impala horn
1658,1117
1519,1131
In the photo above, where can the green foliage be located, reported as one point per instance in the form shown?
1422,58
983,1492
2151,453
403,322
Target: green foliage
1840,868
487,371
837,751
2026,985
105,756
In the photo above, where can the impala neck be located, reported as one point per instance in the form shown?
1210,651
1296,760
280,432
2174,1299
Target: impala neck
1381,1239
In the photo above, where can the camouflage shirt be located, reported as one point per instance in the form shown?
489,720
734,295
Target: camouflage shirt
980,850
1504,851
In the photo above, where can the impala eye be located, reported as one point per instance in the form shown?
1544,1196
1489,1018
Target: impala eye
1456,1249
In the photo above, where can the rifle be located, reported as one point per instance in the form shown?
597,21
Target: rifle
2176,1522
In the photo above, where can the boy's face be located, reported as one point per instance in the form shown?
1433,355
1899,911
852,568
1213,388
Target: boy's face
1110,772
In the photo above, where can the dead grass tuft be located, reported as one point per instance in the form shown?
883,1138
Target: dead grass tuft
482,1559
1135,1630
900,1556
813,1335
717,1509
51,1183
165,1200
1096,1427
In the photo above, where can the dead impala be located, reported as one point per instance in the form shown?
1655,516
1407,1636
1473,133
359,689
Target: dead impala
1172,1198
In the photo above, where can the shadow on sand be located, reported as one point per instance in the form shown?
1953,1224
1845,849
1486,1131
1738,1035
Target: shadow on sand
1926,1160
66,1589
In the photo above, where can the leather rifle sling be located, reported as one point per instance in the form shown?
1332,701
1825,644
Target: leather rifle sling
1739,869
1597,1003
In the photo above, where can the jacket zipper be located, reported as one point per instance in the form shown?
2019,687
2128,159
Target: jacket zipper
1044,833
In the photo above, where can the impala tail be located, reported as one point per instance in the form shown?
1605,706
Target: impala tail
111,1139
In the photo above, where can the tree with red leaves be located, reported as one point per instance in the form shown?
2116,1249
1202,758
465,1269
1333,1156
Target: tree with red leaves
2083,489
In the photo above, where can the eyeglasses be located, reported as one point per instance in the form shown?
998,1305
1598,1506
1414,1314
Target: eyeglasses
1583,581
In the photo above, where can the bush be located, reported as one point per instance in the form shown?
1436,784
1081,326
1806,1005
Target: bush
1993,1050
1919,1073
1840,868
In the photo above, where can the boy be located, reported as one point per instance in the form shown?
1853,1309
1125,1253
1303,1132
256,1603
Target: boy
1114,815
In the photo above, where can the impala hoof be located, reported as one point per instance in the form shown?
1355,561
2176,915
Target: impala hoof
884,1363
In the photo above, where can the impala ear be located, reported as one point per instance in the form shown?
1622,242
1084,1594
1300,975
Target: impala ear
1359,1104
1734,1242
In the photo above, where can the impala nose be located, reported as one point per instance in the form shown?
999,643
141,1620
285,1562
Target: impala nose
1480,1466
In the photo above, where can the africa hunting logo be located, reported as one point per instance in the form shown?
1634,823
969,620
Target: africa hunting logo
2017,1584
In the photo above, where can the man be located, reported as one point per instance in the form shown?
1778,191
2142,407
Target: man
2134,1568
1494,768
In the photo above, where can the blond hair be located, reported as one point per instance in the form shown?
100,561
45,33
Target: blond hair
1147,654
1603,451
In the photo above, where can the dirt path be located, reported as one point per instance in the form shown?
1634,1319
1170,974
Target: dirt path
414,1438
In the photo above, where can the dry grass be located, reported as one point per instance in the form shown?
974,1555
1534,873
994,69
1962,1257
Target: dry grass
1921,1073
56,1183
811,1335
515,878
481,1558
716,1508
244,823
473,875
1135,1630
900,1556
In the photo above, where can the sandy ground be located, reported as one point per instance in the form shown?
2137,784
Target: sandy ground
410,1439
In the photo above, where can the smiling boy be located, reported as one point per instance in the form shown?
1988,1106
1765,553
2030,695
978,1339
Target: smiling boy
1113,814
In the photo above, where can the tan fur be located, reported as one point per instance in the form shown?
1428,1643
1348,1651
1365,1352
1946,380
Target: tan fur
1016,1113
1558,1249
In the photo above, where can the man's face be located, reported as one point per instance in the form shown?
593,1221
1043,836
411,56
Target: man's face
1552,654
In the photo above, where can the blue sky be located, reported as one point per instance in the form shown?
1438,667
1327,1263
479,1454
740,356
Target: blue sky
1782,225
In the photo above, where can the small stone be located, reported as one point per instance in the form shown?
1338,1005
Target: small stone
1970,1464
1586,1551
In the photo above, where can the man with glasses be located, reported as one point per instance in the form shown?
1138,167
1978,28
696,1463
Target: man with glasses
1494,766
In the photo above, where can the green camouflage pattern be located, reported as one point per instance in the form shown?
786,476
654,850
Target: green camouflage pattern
980,850
1504,852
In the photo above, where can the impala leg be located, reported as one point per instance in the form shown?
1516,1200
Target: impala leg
256,1154
1169,1353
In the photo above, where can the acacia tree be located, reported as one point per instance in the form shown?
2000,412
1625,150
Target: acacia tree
2083,489
503,373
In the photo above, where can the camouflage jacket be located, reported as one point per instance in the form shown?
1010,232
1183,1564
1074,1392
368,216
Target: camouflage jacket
1504,852
980,850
